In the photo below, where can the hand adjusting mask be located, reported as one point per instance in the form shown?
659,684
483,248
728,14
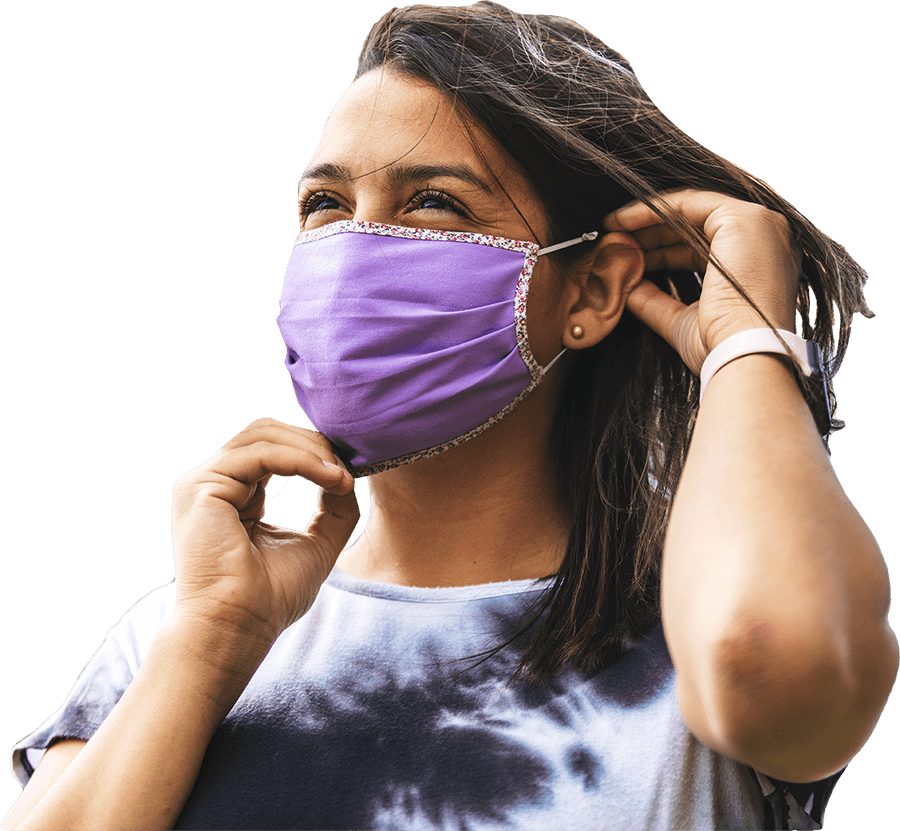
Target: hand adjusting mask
403,342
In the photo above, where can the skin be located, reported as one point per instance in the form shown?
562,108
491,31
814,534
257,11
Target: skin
774,592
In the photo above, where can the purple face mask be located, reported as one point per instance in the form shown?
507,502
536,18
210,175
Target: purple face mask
403,342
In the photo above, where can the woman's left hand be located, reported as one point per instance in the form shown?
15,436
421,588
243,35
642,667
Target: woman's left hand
754,244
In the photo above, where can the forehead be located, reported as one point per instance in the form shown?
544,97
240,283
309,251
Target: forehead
386,118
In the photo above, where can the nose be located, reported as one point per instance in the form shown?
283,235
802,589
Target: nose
375,204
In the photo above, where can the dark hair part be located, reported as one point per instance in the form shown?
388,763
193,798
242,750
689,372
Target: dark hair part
572,114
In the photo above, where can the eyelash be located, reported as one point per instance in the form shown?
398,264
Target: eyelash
440,196
310,204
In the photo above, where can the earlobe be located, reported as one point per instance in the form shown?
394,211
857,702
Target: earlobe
602,291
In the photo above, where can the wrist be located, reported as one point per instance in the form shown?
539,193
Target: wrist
725,331
802,356
220,658
760,340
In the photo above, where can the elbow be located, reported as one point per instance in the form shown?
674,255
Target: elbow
795,702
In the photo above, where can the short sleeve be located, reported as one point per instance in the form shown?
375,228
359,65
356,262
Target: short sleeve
101,683
796,805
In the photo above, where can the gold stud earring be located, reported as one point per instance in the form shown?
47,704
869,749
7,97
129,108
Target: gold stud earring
577,332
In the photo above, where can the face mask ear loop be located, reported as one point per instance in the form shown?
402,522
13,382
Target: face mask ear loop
546,369
587,237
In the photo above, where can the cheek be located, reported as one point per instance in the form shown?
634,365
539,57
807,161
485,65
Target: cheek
545,312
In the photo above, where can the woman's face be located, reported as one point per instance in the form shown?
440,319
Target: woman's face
395,151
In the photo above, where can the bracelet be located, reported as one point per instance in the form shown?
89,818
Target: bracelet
806,353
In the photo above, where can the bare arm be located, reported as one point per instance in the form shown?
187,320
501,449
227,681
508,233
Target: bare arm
775,594
138,769
51,766
239,583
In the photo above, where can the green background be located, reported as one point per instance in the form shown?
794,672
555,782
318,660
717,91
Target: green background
152,154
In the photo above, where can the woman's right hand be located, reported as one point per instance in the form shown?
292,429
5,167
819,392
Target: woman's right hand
231,569
239,584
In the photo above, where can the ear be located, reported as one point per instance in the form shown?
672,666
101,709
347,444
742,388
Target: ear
599,290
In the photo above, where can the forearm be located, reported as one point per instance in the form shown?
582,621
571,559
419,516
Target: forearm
774,591
139,768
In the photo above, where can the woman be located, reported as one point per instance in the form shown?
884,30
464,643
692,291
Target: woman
484,123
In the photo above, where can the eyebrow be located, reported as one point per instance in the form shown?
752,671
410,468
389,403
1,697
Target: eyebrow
400,174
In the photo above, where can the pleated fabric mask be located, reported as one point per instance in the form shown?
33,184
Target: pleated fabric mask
404,342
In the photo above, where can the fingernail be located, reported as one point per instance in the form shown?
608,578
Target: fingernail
332,466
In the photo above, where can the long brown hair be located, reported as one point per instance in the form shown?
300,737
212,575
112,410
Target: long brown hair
573,115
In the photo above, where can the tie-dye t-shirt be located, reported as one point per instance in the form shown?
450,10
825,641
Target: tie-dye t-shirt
369,713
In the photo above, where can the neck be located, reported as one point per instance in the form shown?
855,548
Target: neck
485,511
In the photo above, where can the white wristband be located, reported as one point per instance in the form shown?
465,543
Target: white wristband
754,341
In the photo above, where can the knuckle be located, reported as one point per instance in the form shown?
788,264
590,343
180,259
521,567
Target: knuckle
780,220
756,208
209,491
263,447
261,423
321,440
186,484
772,218
186,481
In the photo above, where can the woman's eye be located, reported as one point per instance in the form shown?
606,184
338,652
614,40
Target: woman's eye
318,202
433,200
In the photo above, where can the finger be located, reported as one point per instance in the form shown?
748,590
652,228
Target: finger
656,309
332,525
255,508
255,502
657,236
268,429
676,258
276,432
264,423
696,206
252,463
347,484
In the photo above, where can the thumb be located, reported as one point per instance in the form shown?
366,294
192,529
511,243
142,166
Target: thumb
331,526
674,322
658,310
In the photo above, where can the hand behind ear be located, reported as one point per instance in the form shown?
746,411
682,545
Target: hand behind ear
670,319
753,243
